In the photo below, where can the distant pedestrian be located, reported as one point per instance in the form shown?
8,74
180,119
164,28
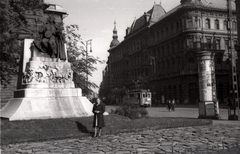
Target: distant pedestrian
229,105
173,104
169,105
98,118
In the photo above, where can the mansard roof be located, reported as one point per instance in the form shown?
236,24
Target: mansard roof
221,4
206,4
154,14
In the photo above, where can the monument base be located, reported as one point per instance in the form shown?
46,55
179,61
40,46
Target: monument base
233,117
208,117
46,108
232,113
207,110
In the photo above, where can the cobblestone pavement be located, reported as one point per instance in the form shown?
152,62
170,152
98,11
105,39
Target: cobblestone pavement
217,138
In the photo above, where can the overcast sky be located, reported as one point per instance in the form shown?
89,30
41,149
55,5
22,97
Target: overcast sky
95,19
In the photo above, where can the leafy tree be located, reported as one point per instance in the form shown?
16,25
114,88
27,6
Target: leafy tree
11,20
104,94
9,47
82,65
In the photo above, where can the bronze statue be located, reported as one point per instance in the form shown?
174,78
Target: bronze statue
51,39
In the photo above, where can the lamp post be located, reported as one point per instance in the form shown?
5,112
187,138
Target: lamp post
88,42
234,80
237,47
153,63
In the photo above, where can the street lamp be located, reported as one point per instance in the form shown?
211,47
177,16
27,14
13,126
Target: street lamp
234,79
153,63
88,42
237,47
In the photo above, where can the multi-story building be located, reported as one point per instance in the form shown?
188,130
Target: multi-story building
159,51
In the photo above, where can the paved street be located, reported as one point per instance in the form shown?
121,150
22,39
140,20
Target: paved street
179,112
202,139
215,138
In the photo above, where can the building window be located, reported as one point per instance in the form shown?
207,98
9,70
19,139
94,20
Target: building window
163,52
234,26
178,45
197,22
207,23
225,25
154,52
172,29
177,27
235,42
208,43
173,47
217,24
168,51
226,45
158,36
189,23
217,44
190,42
158,52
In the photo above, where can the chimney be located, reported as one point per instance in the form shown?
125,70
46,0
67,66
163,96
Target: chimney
147,17
128,30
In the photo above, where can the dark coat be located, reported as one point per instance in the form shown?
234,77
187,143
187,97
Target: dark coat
98,119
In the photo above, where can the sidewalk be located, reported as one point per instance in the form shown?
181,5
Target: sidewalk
226,122
217,138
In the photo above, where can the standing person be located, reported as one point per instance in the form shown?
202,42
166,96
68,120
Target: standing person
229,104
169,104
98,119
173,104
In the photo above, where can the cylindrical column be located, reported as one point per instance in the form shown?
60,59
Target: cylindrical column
205,66
207,84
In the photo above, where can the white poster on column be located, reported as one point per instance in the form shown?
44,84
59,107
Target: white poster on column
205,81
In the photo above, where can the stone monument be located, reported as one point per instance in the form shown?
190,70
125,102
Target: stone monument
45,86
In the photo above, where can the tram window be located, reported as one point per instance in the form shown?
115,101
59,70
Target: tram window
144,95
138,95
148,95
131,95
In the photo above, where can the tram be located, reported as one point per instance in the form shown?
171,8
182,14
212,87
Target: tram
141,97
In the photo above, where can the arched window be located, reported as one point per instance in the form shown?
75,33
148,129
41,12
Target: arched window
207,23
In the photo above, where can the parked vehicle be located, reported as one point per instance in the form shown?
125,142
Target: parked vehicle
141,97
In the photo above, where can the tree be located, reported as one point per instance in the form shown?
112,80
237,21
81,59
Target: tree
11,20
81,65
9,48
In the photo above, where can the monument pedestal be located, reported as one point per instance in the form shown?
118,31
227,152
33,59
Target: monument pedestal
47,103
207,110
45,90
47,107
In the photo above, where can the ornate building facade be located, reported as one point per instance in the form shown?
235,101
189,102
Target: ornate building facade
159,51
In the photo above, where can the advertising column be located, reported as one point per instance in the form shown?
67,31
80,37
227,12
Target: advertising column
207,84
